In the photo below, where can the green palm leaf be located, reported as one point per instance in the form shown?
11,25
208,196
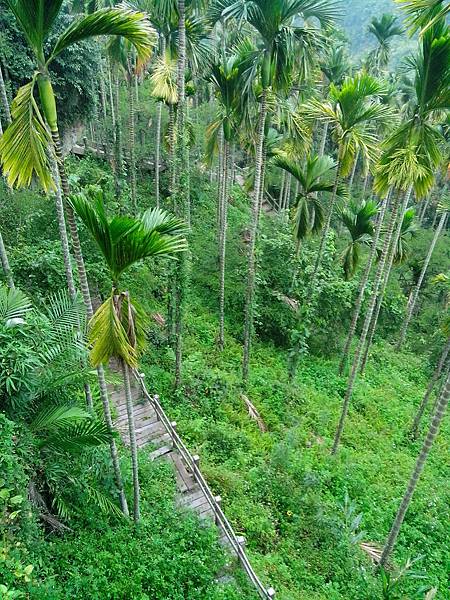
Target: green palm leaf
36,18
164,80
77,437
118,21
25,143
14,306
125,241
53,417
424,14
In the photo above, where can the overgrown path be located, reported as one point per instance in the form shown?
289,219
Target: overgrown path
156,432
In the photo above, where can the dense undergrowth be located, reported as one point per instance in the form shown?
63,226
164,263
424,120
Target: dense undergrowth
304,513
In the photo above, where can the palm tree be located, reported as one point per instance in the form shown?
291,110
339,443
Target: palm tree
400,248
354,113
335,67
226,78
117,329
280,44
317,176
409,160
23,147
363,283
444,209
384,29
417,471
357,218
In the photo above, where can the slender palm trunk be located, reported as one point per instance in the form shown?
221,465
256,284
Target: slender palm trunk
171,133
287,193
133,444
158,152
251,270
434,218
89,311
415,296
424,209
118,140
132,139
382,291
418,468
59,205
183,192
5,264
355,165
323,141
223,208
361,342
326,229
4,99
366,182
104,113
3,254
112,105
280,199
437,373
362,287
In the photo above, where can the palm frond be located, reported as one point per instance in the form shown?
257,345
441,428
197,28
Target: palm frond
14,306
52,417
25,143
164,80
155,219
79,436
36,18
109,337
118,21
424,14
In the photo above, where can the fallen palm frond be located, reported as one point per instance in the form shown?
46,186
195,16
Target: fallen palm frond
254,414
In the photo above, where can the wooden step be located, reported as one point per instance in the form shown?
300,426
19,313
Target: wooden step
160,452
186,499
185,481
140,411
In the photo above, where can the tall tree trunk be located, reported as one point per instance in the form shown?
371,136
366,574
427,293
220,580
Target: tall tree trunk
415,296
362,287
287,192
158,153
251,269
283,184
104,112
132,139
4,99
182,192
382,290
326,229
133,444
431,384
5,264
89,311
323,141
355,165
171,134
3,254
118,148
361,342
418,468
223,207
424,208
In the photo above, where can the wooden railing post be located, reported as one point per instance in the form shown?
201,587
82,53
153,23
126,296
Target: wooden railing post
218,500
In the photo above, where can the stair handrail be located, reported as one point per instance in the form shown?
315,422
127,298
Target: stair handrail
193,463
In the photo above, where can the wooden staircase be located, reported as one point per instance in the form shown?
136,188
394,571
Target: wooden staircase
151,433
